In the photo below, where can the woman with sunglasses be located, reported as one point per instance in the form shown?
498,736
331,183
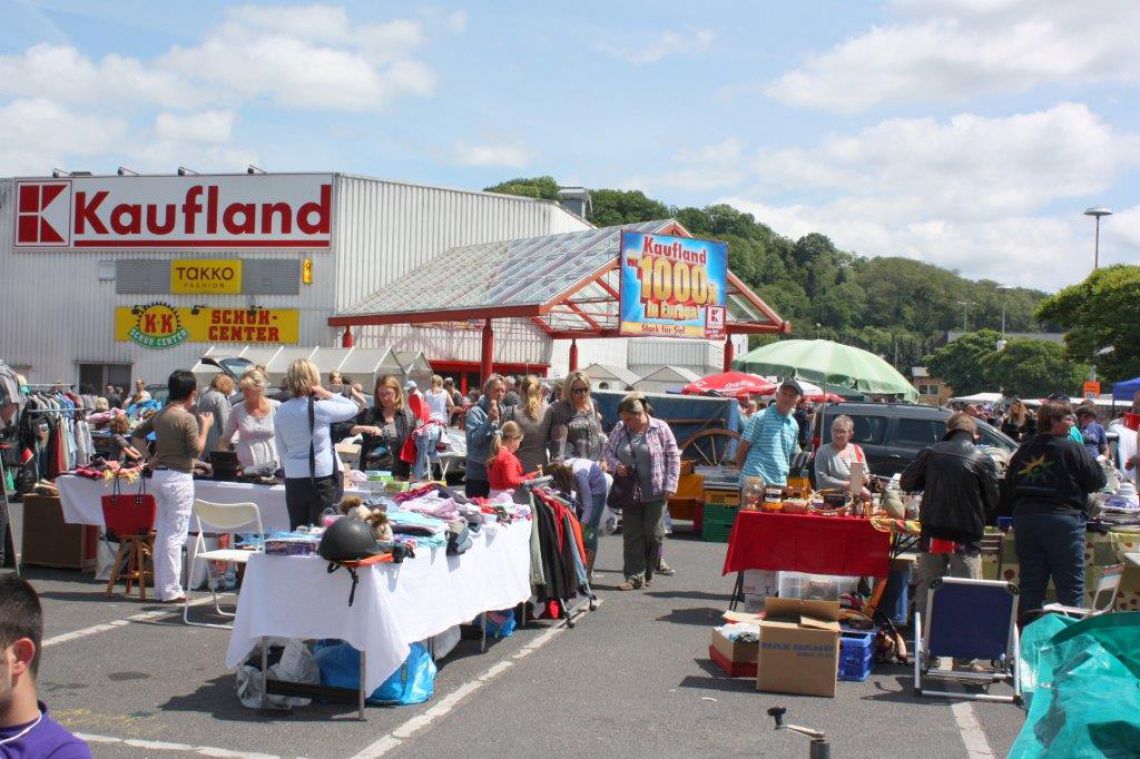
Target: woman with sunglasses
575,424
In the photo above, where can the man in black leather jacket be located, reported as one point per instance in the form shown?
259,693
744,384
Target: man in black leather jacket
960,490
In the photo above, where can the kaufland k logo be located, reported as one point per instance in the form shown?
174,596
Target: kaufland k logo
43,214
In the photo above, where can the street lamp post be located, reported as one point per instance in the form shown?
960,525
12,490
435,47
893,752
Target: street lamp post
965,304
1097,212
1001,342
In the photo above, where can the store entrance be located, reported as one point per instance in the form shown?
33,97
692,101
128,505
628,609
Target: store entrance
96,377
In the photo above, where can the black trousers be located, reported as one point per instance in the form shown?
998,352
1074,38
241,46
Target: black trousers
476,488
306,499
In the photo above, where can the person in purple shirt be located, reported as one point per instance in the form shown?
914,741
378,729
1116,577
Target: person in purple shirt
27,731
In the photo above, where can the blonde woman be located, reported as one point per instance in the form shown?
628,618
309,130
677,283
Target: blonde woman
575,424
386,427
1020,424
532,415
304,445
439,401
252,420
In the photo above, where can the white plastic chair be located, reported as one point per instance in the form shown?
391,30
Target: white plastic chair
219,517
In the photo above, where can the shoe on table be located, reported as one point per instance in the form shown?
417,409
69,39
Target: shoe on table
665,569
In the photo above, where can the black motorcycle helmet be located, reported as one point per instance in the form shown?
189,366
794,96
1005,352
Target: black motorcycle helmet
348,540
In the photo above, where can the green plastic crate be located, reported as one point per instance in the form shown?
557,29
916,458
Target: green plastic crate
717,522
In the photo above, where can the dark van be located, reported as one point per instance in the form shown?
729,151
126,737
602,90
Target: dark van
892,434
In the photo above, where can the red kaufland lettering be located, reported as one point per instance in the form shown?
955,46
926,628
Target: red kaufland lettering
201,209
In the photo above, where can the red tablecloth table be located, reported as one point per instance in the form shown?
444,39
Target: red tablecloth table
807,543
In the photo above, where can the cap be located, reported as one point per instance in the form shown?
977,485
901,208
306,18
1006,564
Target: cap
410,385
791,382
1059,397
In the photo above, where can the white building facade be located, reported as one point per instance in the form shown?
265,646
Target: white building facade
111,278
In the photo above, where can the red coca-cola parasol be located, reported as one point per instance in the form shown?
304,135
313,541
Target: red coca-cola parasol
730,384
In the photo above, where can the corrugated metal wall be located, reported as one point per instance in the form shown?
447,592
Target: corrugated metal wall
383,230
57,311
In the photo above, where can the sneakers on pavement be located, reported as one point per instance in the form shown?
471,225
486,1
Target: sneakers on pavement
665,569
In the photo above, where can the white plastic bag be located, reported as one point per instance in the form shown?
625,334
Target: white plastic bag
296,665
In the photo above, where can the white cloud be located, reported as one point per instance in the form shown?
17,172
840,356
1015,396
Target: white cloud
968,166
956,49
711,167
204,126
508,155
667,43
61,73
457,21
40,135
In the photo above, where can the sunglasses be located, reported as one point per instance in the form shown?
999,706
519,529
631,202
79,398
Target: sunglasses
580,390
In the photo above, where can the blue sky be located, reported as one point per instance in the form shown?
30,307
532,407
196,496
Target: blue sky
968,133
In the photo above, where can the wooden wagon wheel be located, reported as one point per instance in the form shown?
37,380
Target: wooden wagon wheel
709,447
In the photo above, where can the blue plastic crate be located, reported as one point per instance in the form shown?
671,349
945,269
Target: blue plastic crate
856,655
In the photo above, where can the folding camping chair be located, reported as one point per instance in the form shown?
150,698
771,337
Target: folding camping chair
222,517
1103,597
968,619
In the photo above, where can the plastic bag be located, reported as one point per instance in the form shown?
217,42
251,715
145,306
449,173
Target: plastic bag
1087,696
500,624
412,683
295,665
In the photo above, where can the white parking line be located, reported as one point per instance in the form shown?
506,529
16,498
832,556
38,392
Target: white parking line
145,616
405,731
977,747
166,746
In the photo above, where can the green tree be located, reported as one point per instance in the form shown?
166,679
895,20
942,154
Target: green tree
1033,369
1102,316
614,207
962,363
544,188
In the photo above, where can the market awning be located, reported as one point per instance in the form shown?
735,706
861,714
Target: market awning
565,284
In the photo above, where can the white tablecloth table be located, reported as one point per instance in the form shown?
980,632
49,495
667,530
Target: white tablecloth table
395,605
82,503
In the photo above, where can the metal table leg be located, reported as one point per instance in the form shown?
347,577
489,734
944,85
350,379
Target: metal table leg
361,694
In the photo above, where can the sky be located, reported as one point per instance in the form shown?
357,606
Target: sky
971,134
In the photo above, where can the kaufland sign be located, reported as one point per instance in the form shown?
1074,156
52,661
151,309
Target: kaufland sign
197,212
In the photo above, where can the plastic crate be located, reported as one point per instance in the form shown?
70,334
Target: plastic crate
716,522
722,497
809,586
856,655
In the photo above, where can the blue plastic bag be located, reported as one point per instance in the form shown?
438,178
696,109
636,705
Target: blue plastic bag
412,683
500,624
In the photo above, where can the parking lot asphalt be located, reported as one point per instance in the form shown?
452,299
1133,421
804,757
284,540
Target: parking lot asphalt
632,678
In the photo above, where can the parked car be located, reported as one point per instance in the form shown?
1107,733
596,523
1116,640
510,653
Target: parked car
892,434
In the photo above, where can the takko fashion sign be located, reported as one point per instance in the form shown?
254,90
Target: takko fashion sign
190,276
195,212
672,286
160,325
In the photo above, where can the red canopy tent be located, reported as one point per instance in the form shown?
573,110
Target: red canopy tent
730,384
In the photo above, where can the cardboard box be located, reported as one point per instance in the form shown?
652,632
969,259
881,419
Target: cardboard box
799,647
51,542
735,658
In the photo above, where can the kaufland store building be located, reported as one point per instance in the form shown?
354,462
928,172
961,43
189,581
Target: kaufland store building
111,278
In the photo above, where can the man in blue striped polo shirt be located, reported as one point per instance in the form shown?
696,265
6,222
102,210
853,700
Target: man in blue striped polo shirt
769,440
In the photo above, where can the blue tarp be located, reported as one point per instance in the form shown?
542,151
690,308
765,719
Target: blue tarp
1124,390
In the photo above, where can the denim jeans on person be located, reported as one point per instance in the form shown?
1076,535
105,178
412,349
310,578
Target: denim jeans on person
1050,546
642,530
174,500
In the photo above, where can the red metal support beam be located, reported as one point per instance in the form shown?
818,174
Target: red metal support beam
486,359
728,349
585,317
346,339
573,355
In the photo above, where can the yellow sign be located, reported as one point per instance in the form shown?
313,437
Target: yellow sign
205,276
158,325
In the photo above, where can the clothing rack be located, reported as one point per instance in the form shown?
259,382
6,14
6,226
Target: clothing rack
542,496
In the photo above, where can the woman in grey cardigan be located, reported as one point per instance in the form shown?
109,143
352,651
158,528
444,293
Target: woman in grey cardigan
832,461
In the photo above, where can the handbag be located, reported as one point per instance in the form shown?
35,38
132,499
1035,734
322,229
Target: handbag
626,490
129,514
